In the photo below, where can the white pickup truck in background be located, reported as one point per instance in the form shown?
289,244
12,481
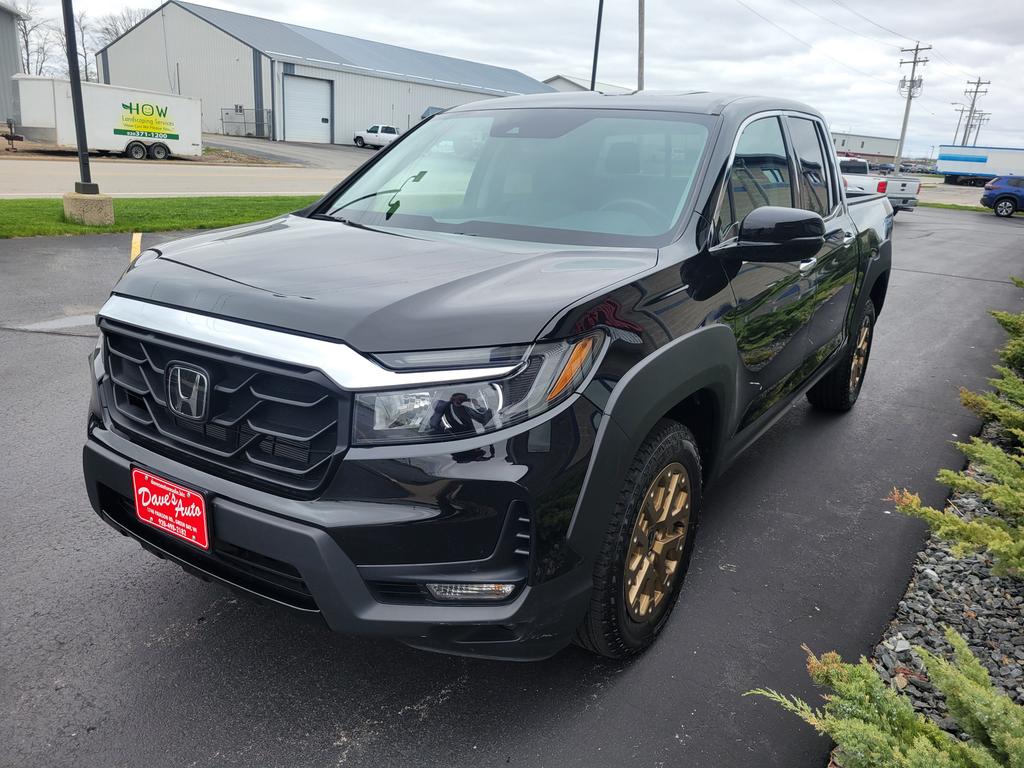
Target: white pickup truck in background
902,191
376,136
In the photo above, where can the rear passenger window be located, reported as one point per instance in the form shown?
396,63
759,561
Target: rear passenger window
811,162
759,176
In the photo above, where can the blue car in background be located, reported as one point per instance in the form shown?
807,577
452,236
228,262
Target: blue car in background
1004,195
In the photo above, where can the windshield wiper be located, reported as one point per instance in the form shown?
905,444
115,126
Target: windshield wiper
340,220
392,203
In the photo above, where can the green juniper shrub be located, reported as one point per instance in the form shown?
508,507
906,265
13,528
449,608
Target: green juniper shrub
874,726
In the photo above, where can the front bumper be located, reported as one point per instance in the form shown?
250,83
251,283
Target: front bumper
357,555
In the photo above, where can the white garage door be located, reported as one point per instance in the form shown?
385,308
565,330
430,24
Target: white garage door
307,109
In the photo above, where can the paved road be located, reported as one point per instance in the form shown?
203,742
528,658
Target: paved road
123,178
111,657
336,156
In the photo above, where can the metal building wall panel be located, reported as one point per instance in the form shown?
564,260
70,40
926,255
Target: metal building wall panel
360,101
10,63
178,52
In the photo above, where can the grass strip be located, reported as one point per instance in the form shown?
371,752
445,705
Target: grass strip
954,206
45,216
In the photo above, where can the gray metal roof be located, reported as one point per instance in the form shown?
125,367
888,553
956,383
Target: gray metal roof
290,42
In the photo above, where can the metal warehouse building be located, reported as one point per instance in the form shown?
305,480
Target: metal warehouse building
10,57
266,78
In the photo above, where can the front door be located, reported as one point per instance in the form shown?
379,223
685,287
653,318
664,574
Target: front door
774,301
833,270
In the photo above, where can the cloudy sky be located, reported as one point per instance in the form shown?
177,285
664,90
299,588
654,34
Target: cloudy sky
841,56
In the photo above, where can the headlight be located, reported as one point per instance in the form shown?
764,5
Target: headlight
546,377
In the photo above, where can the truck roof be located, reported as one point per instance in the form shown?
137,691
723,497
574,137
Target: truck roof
694,102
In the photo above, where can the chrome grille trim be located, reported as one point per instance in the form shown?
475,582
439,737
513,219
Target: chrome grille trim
339,362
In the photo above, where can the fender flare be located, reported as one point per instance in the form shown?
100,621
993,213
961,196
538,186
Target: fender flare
636,404
878,268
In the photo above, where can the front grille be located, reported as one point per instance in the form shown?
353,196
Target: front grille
262,575
269,425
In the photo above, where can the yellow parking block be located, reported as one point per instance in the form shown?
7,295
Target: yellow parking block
136,245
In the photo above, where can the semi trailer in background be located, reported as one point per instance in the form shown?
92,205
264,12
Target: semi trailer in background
140,124
977,165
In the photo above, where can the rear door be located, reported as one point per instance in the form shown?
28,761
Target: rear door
833,270
774,300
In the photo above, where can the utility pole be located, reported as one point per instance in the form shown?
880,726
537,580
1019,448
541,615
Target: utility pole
597,45
974,93
962,108
640,49
913,89
979,119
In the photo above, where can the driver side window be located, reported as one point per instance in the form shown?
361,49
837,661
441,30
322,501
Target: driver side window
760,176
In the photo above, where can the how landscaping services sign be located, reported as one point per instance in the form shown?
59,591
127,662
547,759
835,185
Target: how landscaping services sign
145,121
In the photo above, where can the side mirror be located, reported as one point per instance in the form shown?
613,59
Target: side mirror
774,233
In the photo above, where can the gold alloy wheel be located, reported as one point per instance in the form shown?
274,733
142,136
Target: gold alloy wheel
656,545
860,353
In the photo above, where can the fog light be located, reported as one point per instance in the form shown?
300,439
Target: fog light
470,591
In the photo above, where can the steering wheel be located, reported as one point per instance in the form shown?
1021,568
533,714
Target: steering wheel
642,208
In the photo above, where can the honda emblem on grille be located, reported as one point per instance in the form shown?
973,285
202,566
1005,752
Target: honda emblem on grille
188,392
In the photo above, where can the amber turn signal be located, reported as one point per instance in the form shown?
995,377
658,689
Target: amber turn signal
577,359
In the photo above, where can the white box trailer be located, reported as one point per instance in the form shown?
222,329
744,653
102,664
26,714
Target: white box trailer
977,165
138,123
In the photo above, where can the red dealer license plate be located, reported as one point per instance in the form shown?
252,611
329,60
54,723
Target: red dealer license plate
171,508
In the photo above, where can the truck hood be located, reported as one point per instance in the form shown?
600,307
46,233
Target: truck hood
378,291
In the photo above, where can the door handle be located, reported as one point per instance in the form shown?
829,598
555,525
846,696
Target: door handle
836,234
808,265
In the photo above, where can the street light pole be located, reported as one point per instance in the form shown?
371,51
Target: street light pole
86,186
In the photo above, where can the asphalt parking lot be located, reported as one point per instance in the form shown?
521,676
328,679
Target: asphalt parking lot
114,658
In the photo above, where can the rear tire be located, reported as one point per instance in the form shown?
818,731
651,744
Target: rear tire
1005,207
841,386
136,151
647,546
359,142
159,152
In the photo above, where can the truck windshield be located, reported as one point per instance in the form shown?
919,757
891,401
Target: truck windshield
582,176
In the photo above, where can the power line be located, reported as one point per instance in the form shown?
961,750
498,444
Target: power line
843,26
884,28
809,46
954,66
855,12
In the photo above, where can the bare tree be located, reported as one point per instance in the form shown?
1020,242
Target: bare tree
111,26
84,42
37,37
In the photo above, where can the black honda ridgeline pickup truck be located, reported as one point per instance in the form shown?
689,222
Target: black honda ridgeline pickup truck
471,398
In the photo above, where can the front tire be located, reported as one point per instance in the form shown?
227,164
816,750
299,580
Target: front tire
840,387
136,150
1005,208
647,547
